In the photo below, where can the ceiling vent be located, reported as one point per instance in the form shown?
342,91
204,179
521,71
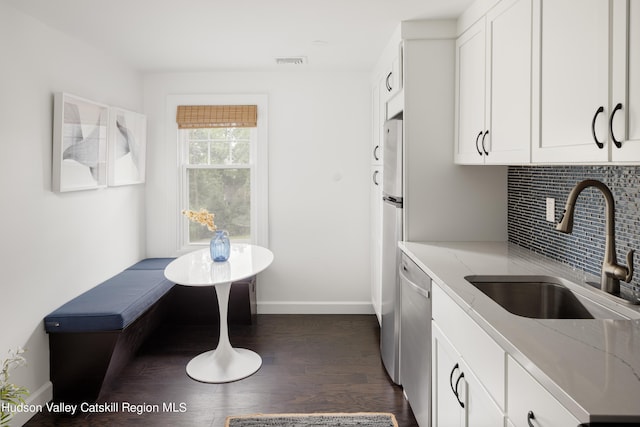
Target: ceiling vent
292,60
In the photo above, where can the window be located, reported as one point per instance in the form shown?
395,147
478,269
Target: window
222,170
218,178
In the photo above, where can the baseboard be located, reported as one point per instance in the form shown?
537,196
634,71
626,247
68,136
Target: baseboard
37,399
323,307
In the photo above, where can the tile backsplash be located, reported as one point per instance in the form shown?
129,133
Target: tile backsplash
528,188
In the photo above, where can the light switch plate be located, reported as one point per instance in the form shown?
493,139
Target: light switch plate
551,209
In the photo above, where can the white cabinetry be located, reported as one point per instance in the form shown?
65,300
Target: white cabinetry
574,81
493,87
392,80
475,382
589,98
468,369
459,399
447,407
549,81
470,95
530,404
625,125
509,32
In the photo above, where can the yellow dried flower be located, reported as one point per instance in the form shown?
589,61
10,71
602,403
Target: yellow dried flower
202,217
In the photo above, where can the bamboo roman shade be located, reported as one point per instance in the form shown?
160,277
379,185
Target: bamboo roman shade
217,116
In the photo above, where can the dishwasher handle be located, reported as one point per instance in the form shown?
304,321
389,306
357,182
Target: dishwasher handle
424,292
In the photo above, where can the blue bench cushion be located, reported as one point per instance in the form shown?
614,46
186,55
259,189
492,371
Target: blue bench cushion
151,264
113,304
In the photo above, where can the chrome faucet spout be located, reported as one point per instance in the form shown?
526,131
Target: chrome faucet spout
612,272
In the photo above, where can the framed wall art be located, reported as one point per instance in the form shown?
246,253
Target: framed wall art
79,143
127,147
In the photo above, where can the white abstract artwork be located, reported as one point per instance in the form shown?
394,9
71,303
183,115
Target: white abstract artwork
79,144
127,147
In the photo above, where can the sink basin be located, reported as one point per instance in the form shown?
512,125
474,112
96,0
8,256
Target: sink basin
539,297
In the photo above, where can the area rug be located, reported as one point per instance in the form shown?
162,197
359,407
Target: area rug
368,419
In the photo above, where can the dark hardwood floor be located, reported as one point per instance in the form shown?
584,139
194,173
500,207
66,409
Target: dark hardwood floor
311,363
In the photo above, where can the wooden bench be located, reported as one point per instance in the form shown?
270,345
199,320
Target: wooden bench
93,336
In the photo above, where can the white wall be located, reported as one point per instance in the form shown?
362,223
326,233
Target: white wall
54,246
318,182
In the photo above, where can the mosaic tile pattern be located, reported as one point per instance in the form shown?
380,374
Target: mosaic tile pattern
528,188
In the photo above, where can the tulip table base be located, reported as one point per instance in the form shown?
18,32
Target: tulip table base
225,363
217,366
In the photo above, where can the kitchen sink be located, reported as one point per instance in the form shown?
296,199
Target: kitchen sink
540,297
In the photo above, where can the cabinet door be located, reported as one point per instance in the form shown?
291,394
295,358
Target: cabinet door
446,409
459,399
625,124
481,410
382,117
376,124
508,106
470,95
376,240
574,81
530,403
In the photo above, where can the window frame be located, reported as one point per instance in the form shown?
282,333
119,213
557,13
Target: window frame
183,146
258,166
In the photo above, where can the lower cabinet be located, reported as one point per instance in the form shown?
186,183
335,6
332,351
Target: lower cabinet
475,383
459,399
530,404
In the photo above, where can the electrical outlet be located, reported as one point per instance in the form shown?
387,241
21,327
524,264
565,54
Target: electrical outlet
551,209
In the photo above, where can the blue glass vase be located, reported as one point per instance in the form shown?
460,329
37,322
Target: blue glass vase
220,246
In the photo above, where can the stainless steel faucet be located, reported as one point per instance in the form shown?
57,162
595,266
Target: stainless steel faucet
612,272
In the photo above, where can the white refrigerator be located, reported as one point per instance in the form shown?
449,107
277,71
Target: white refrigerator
391,234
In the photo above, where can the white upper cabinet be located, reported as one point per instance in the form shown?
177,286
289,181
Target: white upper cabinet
508,109
549,81
625,83
470,95
392,80
493,87
574,82
589,81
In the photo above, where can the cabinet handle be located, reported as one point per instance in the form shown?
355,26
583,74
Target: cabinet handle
388,80
477,146
486,153
456,392
530,417
613,137
593,127
375,152
451,379
375,177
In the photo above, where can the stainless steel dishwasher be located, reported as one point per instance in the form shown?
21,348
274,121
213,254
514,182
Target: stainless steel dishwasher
415,338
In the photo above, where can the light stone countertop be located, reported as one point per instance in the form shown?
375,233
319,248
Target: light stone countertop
592,366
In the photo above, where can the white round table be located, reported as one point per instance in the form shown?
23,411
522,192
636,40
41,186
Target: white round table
225,363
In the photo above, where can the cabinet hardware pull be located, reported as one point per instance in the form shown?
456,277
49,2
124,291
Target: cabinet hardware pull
486,153
593,127
530,417
456,392
375,152
412,286
375,177
613,137
387,81
477,146
451,379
